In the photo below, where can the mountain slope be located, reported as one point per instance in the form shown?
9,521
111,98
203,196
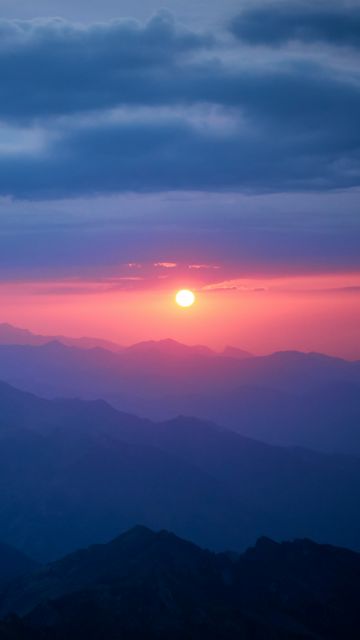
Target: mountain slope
104,471
235,352
14,564
326,419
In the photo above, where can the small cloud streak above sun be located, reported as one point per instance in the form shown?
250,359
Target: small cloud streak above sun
325,283
203,266
166,265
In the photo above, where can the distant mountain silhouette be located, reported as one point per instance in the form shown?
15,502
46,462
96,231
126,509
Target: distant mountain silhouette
14,335
235,352
67,461
287,398
168,348
173,348
11,335
14,564
146,585
157,370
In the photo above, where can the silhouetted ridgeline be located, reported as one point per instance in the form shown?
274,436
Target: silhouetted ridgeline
155,586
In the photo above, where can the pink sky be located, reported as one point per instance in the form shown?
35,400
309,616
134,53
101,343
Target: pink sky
310,313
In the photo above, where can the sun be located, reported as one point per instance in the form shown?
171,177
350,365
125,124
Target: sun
185,298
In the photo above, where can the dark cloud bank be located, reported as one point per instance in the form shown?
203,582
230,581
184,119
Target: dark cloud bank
289,124
333,23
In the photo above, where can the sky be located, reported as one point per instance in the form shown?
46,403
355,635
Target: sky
147,147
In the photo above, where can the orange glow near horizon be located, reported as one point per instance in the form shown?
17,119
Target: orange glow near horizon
308,313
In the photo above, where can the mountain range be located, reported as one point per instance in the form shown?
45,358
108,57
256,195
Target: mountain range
10,335
164,368
286,398
222,449
147,585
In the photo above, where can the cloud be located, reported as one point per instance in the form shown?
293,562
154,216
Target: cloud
347,283
123,106
151,143
281,148
166,265
201,267
275,24
235,284
51,66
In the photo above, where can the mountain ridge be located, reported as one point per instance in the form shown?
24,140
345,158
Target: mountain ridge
14,564
147,584
13,335
10,334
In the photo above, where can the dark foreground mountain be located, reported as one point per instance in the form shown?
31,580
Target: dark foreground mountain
146,585
84,463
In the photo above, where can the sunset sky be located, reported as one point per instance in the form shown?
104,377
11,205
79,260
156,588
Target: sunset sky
146,147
